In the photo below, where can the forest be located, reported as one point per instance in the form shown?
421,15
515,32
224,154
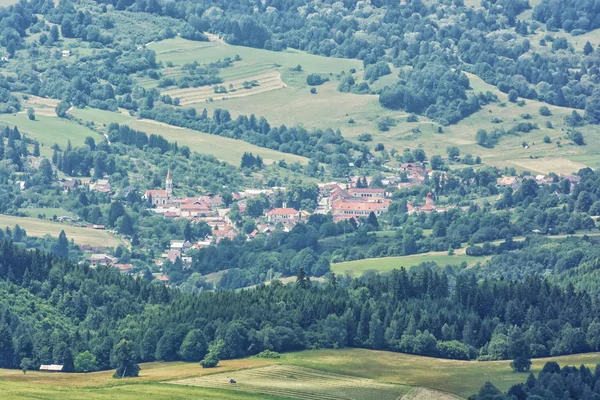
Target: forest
52,311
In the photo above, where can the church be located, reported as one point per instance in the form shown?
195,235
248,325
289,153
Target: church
161,197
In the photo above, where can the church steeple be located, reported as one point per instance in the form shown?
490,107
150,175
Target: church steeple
169,185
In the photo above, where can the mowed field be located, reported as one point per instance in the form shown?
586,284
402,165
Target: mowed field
300,383
387,264
225,149
315,374
39,227
290,102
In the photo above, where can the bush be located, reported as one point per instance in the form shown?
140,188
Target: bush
547,139
365,137
412,118
379,147
545,111
577,138
385,123
210,361
313,91
268,354
315,80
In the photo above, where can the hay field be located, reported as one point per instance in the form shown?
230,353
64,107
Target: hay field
267,81
346,370
299,383
39,227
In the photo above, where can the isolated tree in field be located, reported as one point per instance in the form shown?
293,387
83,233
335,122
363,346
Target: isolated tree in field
31,114
124,360
481,138
214,353
36,149
453,152
545,111
588,49
513,96
62,108
194,346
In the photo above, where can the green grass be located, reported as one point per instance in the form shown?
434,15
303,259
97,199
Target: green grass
387,264
181,51
39,227
225,149
461,378
49,212
293,104
300,383
49,130
385,371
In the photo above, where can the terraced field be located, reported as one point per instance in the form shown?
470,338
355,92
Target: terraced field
299,383
267,81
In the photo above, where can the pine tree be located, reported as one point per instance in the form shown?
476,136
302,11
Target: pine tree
61,249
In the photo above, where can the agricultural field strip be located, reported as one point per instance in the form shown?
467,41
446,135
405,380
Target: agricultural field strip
297,382
266,82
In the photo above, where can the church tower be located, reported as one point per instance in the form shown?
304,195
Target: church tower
169,186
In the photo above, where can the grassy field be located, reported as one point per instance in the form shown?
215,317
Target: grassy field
387,264
49,130
49,212
38,227
290,102
225,149
315,374
300,383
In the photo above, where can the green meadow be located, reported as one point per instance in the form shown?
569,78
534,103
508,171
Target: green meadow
387,264
325,374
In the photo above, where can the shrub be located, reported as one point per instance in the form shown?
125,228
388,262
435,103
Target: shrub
545,111
315,80
268,354
365,137
412,118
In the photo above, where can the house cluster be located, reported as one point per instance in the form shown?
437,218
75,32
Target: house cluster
515,182
101,185
353,202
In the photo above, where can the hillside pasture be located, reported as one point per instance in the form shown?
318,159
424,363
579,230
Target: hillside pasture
299,383
387,264
224,149
49,130
80,235
293,104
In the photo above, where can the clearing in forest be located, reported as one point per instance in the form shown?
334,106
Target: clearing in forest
299,383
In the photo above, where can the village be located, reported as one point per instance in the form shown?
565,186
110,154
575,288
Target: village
353,199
